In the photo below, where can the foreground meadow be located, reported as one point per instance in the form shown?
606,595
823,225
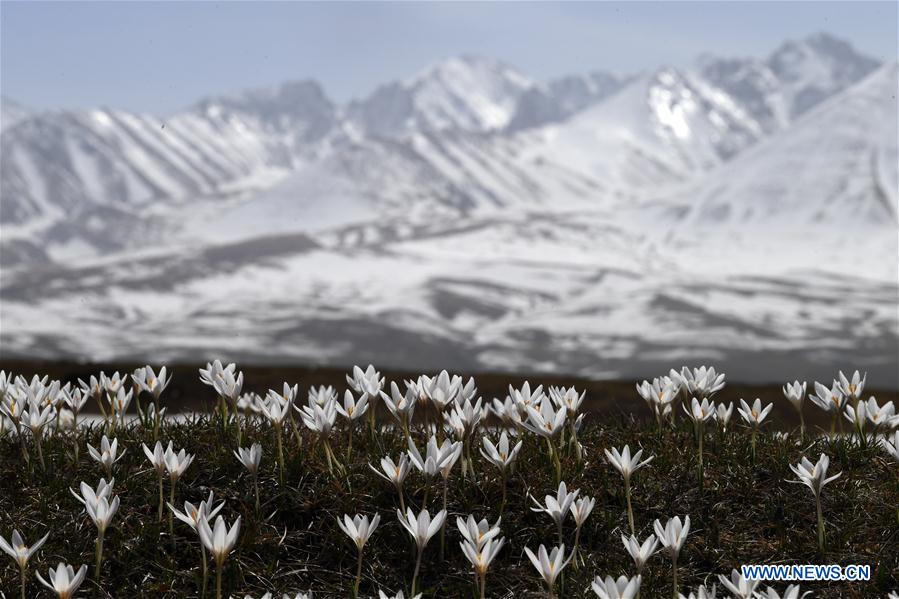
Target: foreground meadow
324,492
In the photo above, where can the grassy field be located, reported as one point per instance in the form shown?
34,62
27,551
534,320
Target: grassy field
746,512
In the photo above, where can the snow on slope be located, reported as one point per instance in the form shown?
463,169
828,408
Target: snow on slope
661,128
835,165
558,292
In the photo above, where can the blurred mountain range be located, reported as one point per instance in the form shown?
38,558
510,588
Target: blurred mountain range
741,212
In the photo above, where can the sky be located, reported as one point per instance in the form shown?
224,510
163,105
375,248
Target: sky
160,57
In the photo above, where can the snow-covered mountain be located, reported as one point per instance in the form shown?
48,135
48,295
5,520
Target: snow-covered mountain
836,165
466,92
792,80
561,98
741,211
11,112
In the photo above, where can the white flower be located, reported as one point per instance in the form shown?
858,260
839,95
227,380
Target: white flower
399,595
525,398
673,535
738,586
36,419
17,549
215,370
581,509
567,398
75,400
101,510
640,553
545,421
701,382
500,455
370,382
464,418
92,496
392,472
437,458
443,390
792,592
852,388
795,393
557,507
421,527
113,383
219,541
322,395
754,414
891,445
507,411
659,395
64,581
92,387
857,415
701,593
723,414
400,405
249,403
481,556
5,381
879,416
701,411
351,409
13,404
623,588
176,463
830,400
548,566
157,456
120,401
814,476
477,533
226,381
149,381
358,528
319,419
193,514
108,453
274,407
624,463
250,457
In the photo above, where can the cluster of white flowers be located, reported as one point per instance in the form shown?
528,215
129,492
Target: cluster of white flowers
448,413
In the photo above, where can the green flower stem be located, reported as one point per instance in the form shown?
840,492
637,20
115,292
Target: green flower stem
171,518
415,573
205,568
630,511
674,577
443,527
280,454
160,496
99,554
358,576
820,524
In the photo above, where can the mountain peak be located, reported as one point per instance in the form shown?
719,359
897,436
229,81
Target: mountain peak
293,105
466,92
468,65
